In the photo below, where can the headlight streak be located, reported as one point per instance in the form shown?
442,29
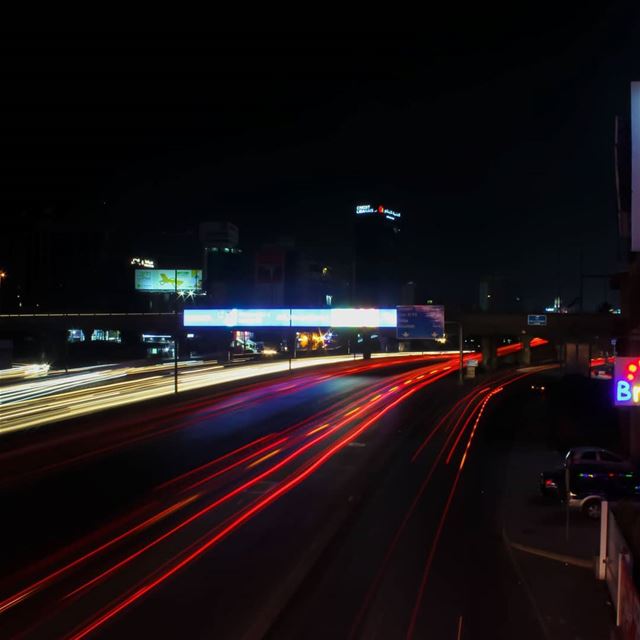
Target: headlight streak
151,428
27,407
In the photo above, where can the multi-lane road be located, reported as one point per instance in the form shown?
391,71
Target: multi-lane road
307,505
42,396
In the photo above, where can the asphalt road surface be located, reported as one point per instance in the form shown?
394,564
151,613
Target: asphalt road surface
357,501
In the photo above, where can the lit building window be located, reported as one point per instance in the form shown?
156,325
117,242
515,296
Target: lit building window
106,335
75,335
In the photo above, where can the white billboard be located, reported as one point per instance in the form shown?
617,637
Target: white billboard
635,166
309,318
165,279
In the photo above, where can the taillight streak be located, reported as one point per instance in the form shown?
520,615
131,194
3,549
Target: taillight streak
258,506
18,597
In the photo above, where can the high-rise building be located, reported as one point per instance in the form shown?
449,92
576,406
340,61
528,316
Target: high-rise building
225,275
499,294
377,257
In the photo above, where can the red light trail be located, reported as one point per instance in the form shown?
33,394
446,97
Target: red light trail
320,436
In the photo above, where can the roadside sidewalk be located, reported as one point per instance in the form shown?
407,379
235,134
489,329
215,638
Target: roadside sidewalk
555,563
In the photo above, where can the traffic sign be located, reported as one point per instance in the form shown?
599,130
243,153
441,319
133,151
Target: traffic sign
420,321
537,320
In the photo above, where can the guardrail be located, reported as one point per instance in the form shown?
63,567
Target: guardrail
615,567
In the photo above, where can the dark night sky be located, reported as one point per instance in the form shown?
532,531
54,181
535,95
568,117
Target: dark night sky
496,143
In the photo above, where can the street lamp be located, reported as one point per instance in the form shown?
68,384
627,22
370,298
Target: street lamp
3,275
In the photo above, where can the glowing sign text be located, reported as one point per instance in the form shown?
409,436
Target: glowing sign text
389,214
627,382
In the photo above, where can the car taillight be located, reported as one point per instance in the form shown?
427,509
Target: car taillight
550,484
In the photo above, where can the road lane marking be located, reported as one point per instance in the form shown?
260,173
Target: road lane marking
552,555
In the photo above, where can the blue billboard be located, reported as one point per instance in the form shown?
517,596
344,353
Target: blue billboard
420,322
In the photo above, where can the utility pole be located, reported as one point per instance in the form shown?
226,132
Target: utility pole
461,345
461,349
290,345
581,280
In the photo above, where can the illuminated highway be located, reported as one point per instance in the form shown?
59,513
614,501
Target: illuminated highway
59,397
183,518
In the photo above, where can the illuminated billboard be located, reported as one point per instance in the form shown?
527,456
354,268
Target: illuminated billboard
635,166
383,318
165,279
627,382
311,318
366,209
345,318
237,317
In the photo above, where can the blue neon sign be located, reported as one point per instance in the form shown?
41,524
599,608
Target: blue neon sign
626,382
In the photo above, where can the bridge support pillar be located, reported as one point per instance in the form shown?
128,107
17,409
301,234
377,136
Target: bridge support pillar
489,353
524,356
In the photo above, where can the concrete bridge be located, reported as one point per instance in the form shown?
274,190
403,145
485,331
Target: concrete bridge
563,331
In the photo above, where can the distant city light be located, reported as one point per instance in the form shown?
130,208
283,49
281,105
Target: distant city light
154,337
143,262
106,335
75,335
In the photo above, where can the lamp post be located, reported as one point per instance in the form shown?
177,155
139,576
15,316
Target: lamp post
3,275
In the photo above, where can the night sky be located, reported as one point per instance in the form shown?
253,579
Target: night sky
496,143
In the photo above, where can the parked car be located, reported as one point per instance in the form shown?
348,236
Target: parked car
597,457
591,480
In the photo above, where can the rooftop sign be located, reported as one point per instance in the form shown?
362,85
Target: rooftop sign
367,209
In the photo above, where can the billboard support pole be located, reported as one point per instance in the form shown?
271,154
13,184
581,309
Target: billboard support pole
291,346
461,349
175,337
461,344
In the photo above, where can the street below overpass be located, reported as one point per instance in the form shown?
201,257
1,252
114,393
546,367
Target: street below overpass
358,500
